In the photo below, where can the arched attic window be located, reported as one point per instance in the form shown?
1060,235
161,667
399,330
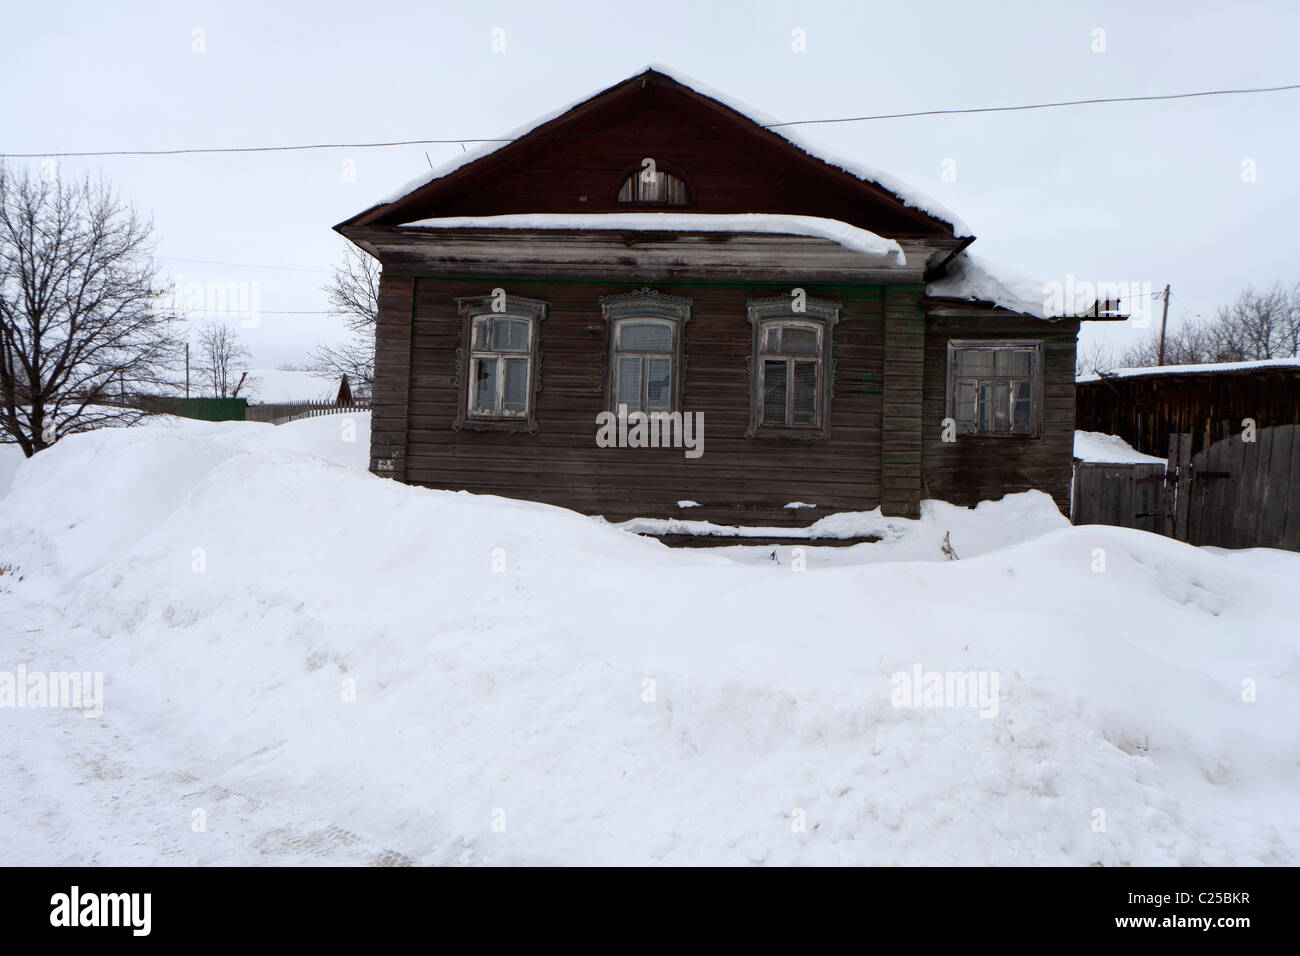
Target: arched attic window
652,185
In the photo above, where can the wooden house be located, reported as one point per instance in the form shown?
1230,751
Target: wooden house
656,251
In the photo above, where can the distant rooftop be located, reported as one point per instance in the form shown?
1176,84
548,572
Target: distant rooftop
1208,369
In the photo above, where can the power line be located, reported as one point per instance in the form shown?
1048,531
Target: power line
1047,106
844,119
249,149
192,313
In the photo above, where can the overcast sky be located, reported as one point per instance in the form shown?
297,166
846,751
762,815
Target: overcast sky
1143,192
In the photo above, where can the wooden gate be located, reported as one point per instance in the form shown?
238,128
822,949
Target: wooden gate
1129,495
1246,494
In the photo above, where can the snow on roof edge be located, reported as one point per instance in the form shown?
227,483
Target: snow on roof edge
909,196
974,278
850,237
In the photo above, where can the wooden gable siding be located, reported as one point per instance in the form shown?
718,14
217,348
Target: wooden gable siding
737,480
973,469
727,170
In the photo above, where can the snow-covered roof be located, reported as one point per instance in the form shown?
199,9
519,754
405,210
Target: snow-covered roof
850,237
1209,368
909,196
976,279
271,385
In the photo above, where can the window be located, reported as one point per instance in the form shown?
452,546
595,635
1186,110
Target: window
790,353
658,187
995,388
643,364
500,362
791,367
645,357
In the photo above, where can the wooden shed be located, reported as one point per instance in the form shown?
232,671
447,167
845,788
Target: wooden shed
1231,432
1144,406
654,253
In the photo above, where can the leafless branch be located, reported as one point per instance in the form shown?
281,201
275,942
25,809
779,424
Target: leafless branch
82,326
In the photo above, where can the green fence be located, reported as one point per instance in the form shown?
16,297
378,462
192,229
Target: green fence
204,409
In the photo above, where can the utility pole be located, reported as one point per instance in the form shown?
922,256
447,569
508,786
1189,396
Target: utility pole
1164,316
187,369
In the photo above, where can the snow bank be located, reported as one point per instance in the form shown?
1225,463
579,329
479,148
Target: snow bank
986,527
1098,446
11,456
599,698
850,237
160,461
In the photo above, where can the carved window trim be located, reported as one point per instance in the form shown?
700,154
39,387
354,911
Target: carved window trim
1034,379
647,305
512,307
818,314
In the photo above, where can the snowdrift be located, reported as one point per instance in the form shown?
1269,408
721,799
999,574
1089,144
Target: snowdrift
331,667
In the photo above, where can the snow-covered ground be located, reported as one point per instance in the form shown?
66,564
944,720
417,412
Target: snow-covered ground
11,456
305,663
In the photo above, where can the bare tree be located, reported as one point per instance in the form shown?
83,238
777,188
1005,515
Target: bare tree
1186,343
354,296
1095,358
1258,324
81,322
222,358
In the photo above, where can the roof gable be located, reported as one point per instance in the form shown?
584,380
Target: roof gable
574,161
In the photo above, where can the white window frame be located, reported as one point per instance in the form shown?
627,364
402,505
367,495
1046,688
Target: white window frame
646,305
480,352
473,351
645,355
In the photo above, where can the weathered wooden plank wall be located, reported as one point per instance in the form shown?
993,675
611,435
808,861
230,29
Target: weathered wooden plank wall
1247,494
1126,495
904,379
1145,410
738,479
881,451
391,394
973,469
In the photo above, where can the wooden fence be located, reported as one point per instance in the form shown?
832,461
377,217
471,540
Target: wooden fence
203,409
1125,495
1247,494
1231,494
282,412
